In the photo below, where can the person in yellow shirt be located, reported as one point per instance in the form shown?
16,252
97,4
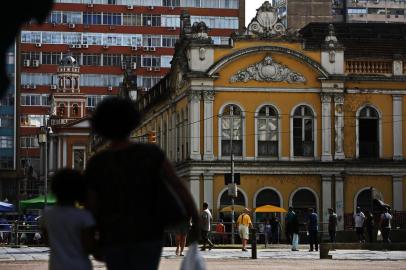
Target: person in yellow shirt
244,223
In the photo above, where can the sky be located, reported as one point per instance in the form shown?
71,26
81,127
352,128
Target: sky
251,9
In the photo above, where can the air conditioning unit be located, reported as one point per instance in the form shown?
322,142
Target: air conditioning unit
151,7
53,86
173,28
110,88
145,49
105,46
134,48
134,65
72,46
85,46
35,63
72,26
38,45
89,5
149,68
152,49
130,7
157,69
27,62
78,46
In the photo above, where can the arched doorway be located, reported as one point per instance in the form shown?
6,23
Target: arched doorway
225,200
264,197
302,200
364,199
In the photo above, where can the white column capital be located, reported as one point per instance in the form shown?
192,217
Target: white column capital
208,95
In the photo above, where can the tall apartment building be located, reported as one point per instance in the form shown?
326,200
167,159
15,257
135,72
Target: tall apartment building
299,13
8,131
105,36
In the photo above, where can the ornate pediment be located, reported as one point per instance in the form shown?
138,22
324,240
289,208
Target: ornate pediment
266,23
268,71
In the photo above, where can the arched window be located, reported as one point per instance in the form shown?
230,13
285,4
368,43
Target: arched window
231,131
264,197
267,130
302,200
61,109
75,110
75,83
368,132
303,132
225,199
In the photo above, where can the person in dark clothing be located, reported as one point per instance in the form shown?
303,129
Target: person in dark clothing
288,225
275,229
369,225
133,191
332,225
312,229
294,223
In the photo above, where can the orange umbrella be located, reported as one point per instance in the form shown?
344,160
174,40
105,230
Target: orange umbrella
269,209
237,208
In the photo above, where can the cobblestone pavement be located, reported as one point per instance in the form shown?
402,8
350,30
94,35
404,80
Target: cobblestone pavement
35,258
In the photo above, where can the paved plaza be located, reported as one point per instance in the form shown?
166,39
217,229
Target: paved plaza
35,258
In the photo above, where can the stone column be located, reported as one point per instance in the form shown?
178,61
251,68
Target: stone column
339,126
208,189
64,153
194,120
397,128
397,192
59,153
326,127
51,155
195,188
339,204
208,97
326,199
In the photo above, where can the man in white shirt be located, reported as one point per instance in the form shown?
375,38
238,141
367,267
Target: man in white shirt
206,219
359,219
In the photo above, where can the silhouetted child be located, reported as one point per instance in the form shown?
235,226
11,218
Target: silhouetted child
69,229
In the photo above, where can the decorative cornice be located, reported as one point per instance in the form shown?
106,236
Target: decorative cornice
268,71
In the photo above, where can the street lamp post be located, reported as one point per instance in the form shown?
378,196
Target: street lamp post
43,140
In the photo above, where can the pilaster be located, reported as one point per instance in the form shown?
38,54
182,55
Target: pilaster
195,188
339,202
208,188
326,127
208,97
194,116
326,199
339,126
397,128
397,183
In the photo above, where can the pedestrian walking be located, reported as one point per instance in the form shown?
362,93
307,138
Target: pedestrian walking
180,236
385,225
332,225
206,219
294,223
369,225
244,223
359,219
288,227
70,230
312,229
129,182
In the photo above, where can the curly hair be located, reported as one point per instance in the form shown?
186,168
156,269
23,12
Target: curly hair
68,185
115,118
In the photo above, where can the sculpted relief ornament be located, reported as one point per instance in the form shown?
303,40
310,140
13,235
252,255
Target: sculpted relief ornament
268,71
266,23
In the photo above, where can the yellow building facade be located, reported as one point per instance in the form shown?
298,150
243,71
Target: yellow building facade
309,122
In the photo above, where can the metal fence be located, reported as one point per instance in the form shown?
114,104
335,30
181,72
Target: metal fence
398,220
